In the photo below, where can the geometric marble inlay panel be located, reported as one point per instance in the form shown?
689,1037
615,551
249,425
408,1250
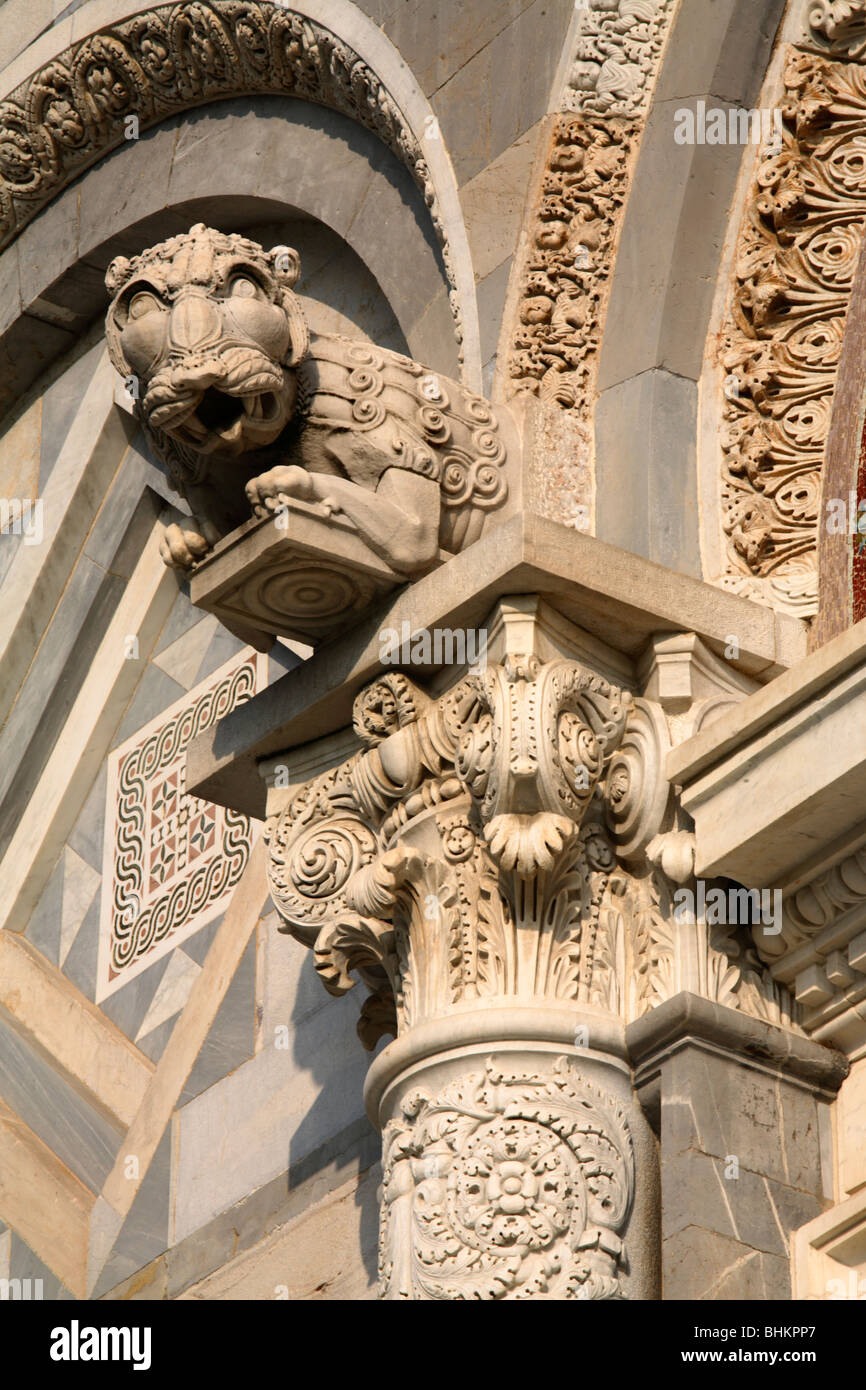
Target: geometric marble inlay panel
170,860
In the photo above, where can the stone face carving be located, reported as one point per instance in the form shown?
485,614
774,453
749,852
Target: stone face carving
170,58
570,259
617,55
796,260
249,411
505,1185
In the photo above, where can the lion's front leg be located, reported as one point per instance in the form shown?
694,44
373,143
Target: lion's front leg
400,520
273,489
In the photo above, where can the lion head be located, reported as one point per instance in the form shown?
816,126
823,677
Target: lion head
208,328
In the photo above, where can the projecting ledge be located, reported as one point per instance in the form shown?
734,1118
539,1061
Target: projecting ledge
617,598
777,786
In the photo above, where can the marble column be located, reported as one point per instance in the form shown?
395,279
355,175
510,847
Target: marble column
462,864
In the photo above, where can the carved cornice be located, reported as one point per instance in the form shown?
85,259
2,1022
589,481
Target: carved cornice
796,260
171,58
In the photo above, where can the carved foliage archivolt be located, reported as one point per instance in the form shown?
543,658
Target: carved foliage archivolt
168,59
569,259
506,1186
567,267
617,55
797,256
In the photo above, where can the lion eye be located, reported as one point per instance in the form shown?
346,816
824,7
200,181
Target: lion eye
243,288
142,304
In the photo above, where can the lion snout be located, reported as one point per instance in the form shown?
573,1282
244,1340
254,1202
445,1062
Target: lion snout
199,377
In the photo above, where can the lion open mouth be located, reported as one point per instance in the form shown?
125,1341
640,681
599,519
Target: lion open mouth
228,404
220,420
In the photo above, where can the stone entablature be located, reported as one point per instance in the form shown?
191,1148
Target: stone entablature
799,829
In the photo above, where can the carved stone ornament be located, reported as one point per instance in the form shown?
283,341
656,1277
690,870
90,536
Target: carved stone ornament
818,904
796,260
839,26
476,852
463,856
251,412
505,1185
569,260
617,55
171,58
498,865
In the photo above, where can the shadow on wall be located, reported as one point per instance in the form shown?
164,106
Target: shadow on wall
335,1139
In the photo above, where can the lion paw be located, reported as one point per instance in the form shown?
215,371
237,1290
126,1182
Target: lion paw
187,542
272,490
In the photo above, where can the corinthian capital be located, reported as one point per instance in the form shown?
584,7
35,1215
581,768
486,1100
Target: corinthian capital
457,856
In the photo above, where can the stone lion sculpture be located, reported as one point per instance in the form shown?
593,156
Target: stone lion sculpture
248,409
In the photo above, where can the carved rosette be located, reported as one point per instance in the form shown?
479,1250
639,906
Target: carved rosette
506,1185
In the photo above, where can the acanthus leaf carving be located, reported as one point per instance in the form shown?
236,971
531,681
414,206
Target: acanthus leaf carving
681,950
407,865
797,254
839,26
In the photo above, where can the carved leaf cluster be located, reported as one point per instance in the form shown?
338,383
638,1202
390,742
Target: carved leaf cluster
797,255
158,62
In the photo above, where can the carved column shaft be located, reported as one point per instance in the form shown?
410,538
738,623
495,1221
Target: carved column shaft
460,866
